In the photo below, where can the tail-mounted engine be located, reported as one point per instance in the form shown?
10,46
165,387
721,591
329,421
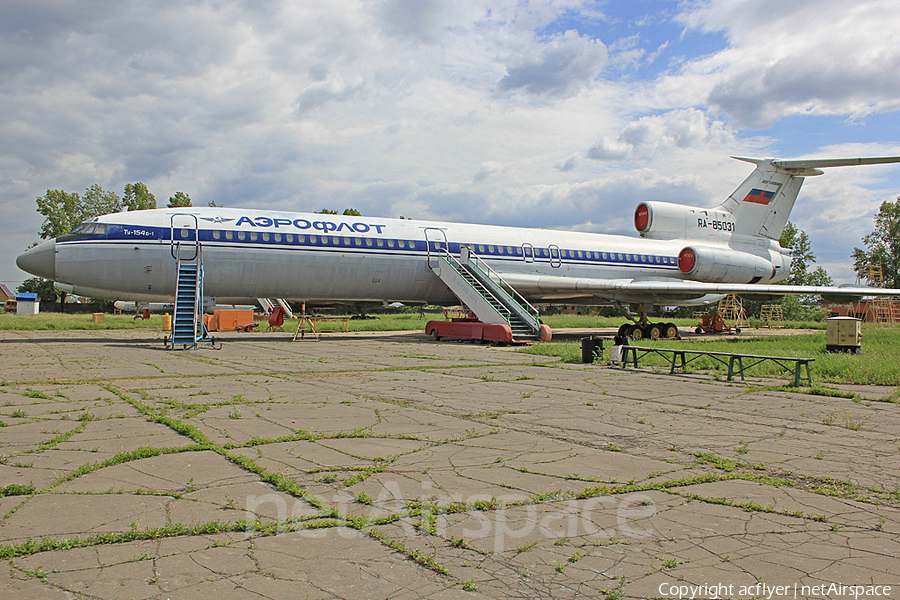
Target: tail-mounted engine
667,221
726,265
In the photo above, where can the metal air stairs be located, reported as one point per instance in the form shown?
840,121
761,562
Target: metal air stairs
484,292
188,328
268,306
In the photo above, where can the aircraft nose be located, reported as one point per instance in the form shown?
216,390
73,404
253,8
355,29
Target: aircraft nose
40,260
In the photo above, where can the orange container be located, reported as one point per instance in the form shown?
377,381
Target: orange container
231,320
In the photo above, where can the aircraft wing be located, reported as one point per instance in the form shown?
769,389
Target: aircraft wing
660,291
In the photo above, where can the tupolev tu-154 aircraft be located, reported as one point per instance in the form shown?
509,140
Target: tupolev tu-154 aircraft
684,255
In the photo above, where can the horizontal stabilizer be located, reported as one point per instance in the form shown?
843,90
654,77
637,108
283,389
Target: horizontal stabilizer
808,166
824,163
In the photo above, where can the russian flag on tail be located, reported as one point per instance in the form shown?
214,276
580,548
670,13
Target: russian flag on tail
759,196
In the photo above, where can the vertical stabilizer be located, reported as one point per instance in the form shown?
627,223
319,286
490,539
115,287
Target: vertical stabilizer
762,204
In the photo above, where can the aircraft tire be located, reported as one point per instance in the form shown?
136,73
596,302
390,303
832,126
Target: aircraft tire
623,329
653,331
635,332
670,331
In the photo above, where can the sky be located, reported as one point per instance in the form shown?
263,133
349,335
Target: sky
544,113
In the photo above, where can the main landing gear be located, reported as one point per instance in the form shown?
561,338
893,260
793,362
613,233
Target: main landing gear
649,331
641,328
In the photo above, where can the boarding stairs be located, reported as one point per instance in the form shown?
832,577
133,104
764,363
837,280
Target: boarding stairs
188,328
484,292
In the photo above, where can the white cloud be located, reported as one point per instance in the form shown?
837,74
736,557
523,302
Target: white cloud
477,110
557,67
818,57
651,136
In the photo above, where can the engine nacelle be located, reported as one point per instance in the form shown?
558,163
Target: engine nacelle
726,265
667,221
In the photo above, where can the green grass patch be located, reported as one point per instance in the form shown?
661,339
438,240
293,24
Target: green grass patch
426,560
67,322
177,530
382,322
123,457
875,364
14,489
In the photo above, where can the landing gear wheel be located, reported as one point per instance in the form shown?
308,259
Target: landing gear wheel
669,330
623,329
635,332
653,331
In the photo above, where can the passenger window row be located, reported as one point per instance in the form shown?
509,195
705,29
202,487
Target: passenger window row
480,249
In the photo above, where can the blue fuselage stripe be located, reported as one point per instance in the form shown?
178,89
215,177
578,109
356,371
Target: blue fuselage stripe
218,238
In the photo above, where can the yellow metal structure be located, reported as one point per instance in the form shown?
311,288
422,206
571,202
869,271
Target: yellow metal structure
731,308
884,310
772,316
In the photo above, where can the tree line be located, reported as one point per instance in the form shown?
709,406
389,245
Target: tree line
64,210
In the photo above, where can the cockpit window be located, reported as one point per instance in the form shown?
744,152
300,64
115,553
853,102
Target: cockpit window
90,229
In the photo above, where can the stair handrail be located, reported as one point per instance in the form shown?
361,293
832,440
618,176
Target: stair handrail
460,268
489,272
201,295
175,247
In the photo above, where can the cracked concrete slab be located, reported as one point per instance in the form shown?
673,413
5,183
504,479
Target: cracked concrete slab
411,469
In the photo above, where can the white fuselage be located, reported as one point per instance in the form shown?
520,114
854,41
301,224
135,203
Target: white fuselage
315,257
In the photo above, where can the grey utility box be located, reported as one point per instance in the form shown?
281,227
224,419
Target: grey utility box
843,334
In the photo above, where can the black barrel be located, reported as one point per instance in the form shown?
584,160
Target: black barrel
591,348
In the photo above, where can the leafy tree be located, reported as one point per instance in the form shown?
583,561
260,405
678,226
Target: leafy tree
62,211
180,199
802,258
138,197
43,288
97,202
802,308
882,246
348,212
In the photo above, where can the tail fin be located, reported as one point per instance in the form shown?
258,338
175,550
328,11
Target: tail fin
762,204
